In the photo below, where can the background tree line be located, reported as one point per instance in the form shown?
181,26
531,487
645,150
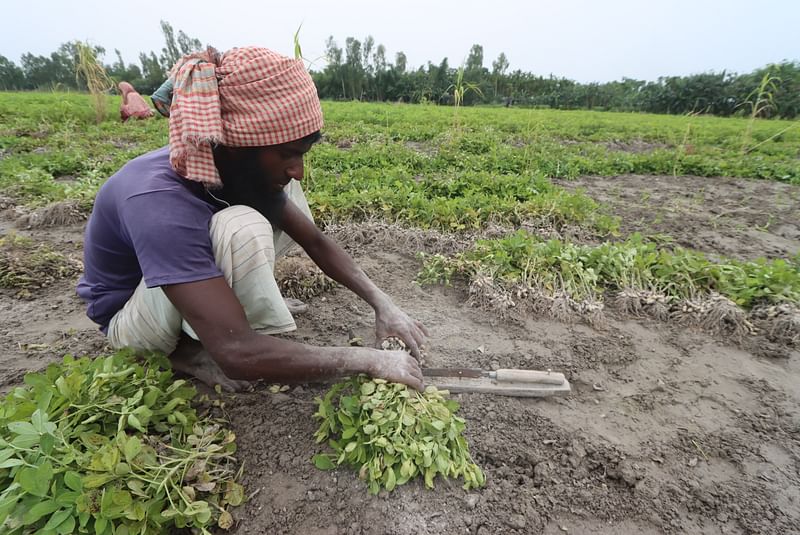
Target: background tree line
58,70
362,70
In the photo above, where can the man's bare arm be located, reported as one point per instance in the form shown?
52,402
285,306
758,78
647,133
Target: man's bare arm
338,265
215,314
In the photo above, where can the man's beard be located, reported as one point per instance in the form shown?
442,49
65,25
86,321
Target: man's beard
244,182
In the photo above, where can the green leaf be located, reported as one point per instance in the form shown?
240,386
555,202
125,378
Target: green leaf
100,525
136,486
92,481
83,520
198,509
234,494
438,425
430,473
8,504
344,418
22,428
150,398
36,480
122,469
132,448
57,518
121,498
39,510
63,387
67,498
134,422
170,513
107,508
73,481
46,443
136,511
374,487
323,462
43,401
391,479
25,441
38,419
67,527
11,463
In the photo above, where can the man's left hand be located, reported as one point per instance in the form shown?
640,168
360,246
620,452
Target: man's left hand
394,322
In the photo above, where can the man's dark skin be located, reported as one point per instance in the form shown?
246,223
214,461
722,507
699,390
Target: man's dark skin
231,347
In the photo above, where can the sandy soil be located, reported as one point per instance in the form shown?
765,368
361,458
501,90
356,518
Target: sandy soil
668,430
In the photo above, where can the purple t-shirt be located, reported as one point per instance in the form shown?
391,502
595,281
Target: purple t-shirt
147,223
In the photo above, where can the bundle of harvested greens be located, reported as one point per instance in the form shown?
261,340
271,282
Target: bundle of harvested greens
392,434
111,445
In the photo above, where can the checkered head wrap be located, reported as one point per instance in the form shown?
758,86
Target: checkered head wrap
246,97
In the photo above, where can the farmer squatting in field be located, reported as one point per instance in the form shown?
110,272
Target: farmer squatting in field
181,244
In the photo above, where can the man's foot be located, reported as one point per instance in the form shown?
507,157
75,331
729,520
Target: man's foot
190,358
295,306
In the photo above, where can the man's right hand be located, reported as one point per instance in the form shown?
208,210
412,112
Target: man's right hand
397,367
243,354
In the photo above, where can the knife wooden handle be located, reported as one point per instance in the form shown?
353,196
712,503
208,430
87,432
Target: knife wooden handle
530,376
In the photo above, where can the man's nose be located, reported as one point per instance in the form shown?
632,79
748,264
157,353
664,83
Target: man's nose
295,170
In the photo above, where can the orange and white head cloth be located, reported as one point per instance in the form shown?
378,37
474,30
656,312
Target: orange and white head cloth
246,97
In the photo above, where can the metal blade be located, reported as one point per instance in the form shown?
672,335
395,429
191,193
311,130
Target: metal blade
453,372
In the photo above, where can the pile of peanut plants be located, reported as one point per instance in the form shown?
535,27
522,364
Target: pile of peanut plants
111,446
392,434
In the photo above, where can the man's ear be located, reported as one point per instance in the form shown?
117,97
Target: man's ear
225,157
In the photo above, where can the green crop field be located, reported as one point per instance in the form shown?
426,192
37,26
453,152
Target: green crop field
457,170
424,153
664,247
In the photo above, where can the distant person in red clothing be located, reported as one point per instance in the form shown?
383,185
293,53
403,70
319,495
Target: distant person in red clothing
133,105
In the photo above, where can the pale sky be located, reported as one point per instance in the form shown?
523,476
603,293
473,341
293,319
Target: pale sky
585,40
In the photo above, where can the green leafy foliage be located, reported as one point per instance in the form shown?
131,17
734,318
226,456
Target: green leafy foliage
392,434
449,200
587,271
42,160
405,163
556,143
110,446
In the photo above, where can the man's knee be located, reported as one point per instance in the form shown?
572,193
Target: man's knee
243,241
237,229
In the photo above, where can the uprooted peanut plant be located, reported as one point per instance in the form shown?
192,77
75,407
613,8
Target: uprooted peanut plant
568,280
392,434
111,446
